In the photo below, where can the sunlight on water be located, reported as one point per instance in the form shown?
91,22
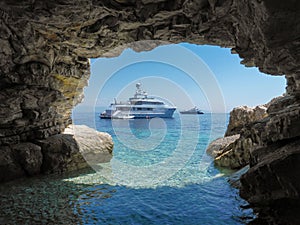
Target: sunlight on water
157,152
163,185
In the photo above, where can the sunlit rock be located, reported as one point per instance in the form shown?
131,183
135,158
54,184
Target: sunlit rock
78,147
242,116
220,145
96,147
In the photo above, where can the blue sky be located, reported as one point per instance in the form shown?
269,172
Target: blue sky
185,75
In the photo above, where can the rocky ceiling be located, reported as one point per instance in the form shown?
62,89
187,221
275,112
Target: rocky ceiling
45,46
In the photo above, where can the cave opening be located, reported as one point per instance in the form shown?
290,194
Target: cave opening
44,68
238,84
186,76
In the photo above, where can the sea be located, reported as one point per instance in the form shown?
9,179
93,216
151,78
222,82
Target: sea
159,174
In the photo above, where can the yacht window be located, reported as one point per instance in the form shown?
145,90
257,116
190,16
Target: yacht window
147,103
123,108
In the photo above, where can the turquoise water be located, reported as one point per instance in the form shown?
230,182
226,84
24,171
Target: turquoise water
159,174
163,176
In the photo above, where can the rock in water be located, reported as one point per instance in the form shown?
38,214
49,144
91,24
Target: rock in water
242,116
9,167
236,155
96,147
233,151
29,156
221,145
78,147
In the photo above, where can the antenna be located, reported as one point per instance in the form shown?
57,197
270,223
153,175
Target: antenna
138,85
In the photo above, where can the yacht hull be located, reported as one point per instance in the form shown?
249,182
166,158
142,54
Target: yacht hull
165,113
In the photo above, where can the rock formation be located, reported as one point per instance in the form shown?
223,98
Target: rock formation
220,145
45,46
78,147
233,150
95,147
242,116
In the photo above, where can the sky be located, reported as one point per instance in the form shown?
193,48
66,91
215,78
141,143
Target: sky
184,75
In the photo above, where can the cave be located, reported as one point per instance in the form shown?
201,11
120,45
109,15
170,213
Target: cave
44,66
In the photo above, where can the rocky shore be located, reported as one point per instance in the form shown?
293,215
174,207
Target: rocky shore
233,150
76,148
247,142
44,66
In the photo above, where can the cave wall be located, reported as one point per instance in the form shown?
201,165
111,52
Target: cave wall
44,66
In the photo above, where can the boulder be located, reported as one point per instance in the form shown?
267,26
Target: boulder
96,147
9,167
218,146
236,155
242,116
59,153
29,156
233,151
77,148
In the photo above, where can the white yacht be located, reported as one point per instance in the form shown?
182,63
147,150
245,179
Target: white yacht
138,106
194,110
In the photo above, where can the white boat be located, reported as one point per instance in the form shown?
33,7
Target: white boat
138,106
194,110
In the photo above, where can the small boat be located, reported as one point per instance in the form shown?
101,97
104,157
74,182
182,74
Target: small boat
138,106
194,110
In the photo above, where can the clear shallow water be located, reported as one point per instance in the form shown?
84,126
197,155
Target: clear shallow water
162,177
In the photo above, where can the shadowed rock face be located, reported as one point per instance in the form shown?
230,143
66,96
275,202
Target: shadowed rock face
45,46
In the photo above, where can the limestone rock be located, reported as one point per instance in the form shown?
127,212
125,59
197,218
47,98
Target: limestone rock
60,153
234,179
242,116
267,181
96,147
45,46
220,145
9,167
29,156
236,155
78,147
230,152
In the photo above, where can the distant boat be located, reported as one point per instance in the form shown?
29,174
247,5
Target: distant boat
138,106
194,110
